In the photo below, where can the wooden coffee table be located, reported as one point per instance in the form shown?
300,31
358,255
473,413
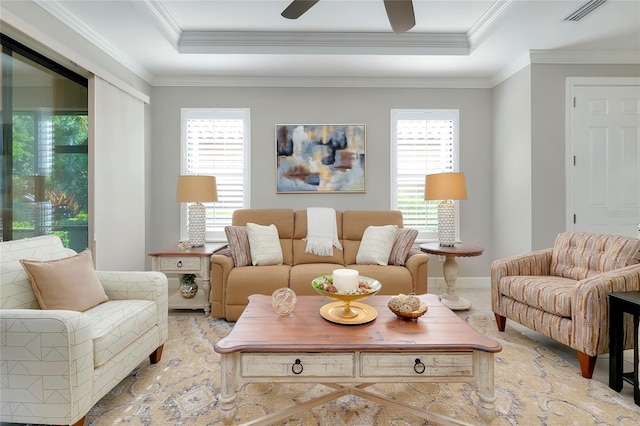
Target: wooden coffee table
305,348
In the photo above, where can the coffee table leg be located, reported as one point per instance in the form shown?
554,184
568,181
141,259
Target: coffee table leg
486,407
228,394
450,299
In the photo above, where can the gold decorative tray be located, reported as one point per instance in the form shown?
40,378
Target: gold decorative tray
333,312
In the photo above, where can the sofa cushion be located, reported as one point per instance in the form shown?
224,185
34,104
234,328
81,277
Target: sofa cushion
578,255
394,279
117,323
355,222
70,283
264,244
302,275
405,237
281,218
239,247
549,294
17,292
376,245
248,280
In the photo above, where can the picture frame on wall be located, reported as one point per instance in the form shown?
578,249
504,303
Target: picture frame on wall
320,158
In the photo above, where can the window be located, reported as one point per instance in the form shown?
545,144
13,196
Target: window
44,175
422,142
217,142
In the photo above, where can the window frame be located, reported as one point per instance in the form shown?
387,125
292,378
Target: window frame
216,234
424,234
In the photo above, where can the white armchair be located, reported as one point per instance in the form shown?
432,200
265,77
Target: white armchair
56,364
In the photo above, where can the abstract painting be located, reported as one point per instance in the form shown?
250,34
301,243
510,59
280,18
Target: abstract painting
320,158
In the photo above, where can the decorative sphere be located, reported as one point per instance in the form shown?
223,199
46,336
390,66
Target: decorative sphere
283,301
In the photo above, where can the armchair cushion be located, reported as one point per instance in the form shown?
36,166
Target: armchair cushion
69,284
578,255
118,323
553,294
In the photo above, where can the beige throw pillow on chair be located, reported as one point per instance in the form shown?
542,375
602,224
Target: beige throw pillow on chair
70,283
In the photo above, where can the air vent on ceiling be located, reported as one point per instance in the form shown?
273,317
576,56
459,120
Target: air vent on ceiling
586,9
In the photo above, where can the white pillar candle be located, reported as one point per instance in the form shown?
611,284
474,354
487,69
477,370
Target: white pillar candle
345,280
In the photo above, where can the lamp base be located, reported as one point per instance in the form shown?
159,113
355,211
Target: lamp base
446,224
197,224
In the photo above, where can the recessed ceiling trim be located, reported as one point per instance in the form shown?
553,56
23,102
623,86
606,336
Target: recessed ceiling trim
358,82
584,10
269,42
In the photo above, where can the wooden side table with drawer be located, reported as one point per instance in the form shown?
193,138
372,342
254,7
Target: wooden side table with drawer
193,260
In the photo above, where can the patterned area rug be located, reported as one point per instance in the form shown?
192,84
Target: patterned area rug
533,387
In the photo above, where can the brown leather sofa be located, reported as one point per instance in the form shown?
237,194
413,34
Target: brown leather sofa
231,286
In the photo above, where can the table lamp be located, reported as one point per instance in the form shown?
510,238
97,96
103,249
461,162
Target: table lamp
196,190
445,187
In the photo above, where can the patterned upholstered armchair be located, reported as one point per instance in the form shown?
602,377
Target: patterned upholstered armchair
561,292
56,363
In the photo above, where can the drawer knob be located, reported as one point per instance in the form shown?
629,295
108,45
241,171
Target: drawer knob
419,367
179,264
297,367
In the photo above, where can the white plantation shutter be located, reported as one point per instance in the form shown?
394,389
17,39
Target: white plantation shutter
216,142
423,142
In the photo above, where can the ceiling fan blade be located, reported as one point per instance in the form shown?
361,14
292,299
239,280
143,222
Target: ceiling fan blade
401,16
297,8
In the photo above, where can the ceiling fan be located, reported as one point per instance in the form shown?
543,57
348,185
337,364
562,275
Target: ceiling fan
399,12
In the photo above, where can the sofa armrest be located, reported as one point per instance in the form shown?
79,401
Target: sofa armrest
537,263
590,308
43,350
417,264
221,266
139,285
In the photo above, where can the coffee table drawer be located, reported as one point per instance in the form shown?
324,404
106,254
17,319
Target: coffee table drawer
458,364
302,365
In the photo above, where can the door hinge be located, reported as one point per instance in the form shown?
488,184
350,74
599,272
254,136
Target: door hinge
574,160
574,101
574,218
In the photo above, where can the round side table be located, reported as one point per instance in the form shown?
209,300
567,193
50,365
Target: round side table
450,270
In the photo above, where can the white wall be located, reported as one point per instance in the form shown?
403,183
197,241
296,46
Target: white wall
511,178
271,106
548,195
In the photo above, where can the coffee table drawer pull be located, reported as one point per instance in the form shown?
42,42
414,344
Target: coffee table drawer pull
419,367
297,367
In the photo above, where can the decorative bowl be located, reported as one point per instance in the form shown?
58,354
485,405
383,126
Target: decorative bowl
410,315
346,299
396,303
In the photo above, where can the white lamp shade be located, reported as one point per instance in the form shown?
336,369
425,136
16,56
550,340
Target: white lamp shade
196,189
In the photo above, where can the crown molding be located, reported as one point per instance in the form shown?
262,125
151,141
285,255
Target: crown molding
163,20
322,43
311,82
488,22
69,19
585,56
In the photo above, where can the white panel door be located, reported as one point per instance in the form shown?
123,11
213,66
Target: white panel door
606,172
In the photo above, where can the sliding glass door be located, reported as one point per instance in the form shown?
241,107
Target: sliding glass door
44,177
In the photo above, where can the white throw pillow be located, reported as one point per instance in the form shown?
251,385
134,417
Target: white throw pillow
265,244
376,245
